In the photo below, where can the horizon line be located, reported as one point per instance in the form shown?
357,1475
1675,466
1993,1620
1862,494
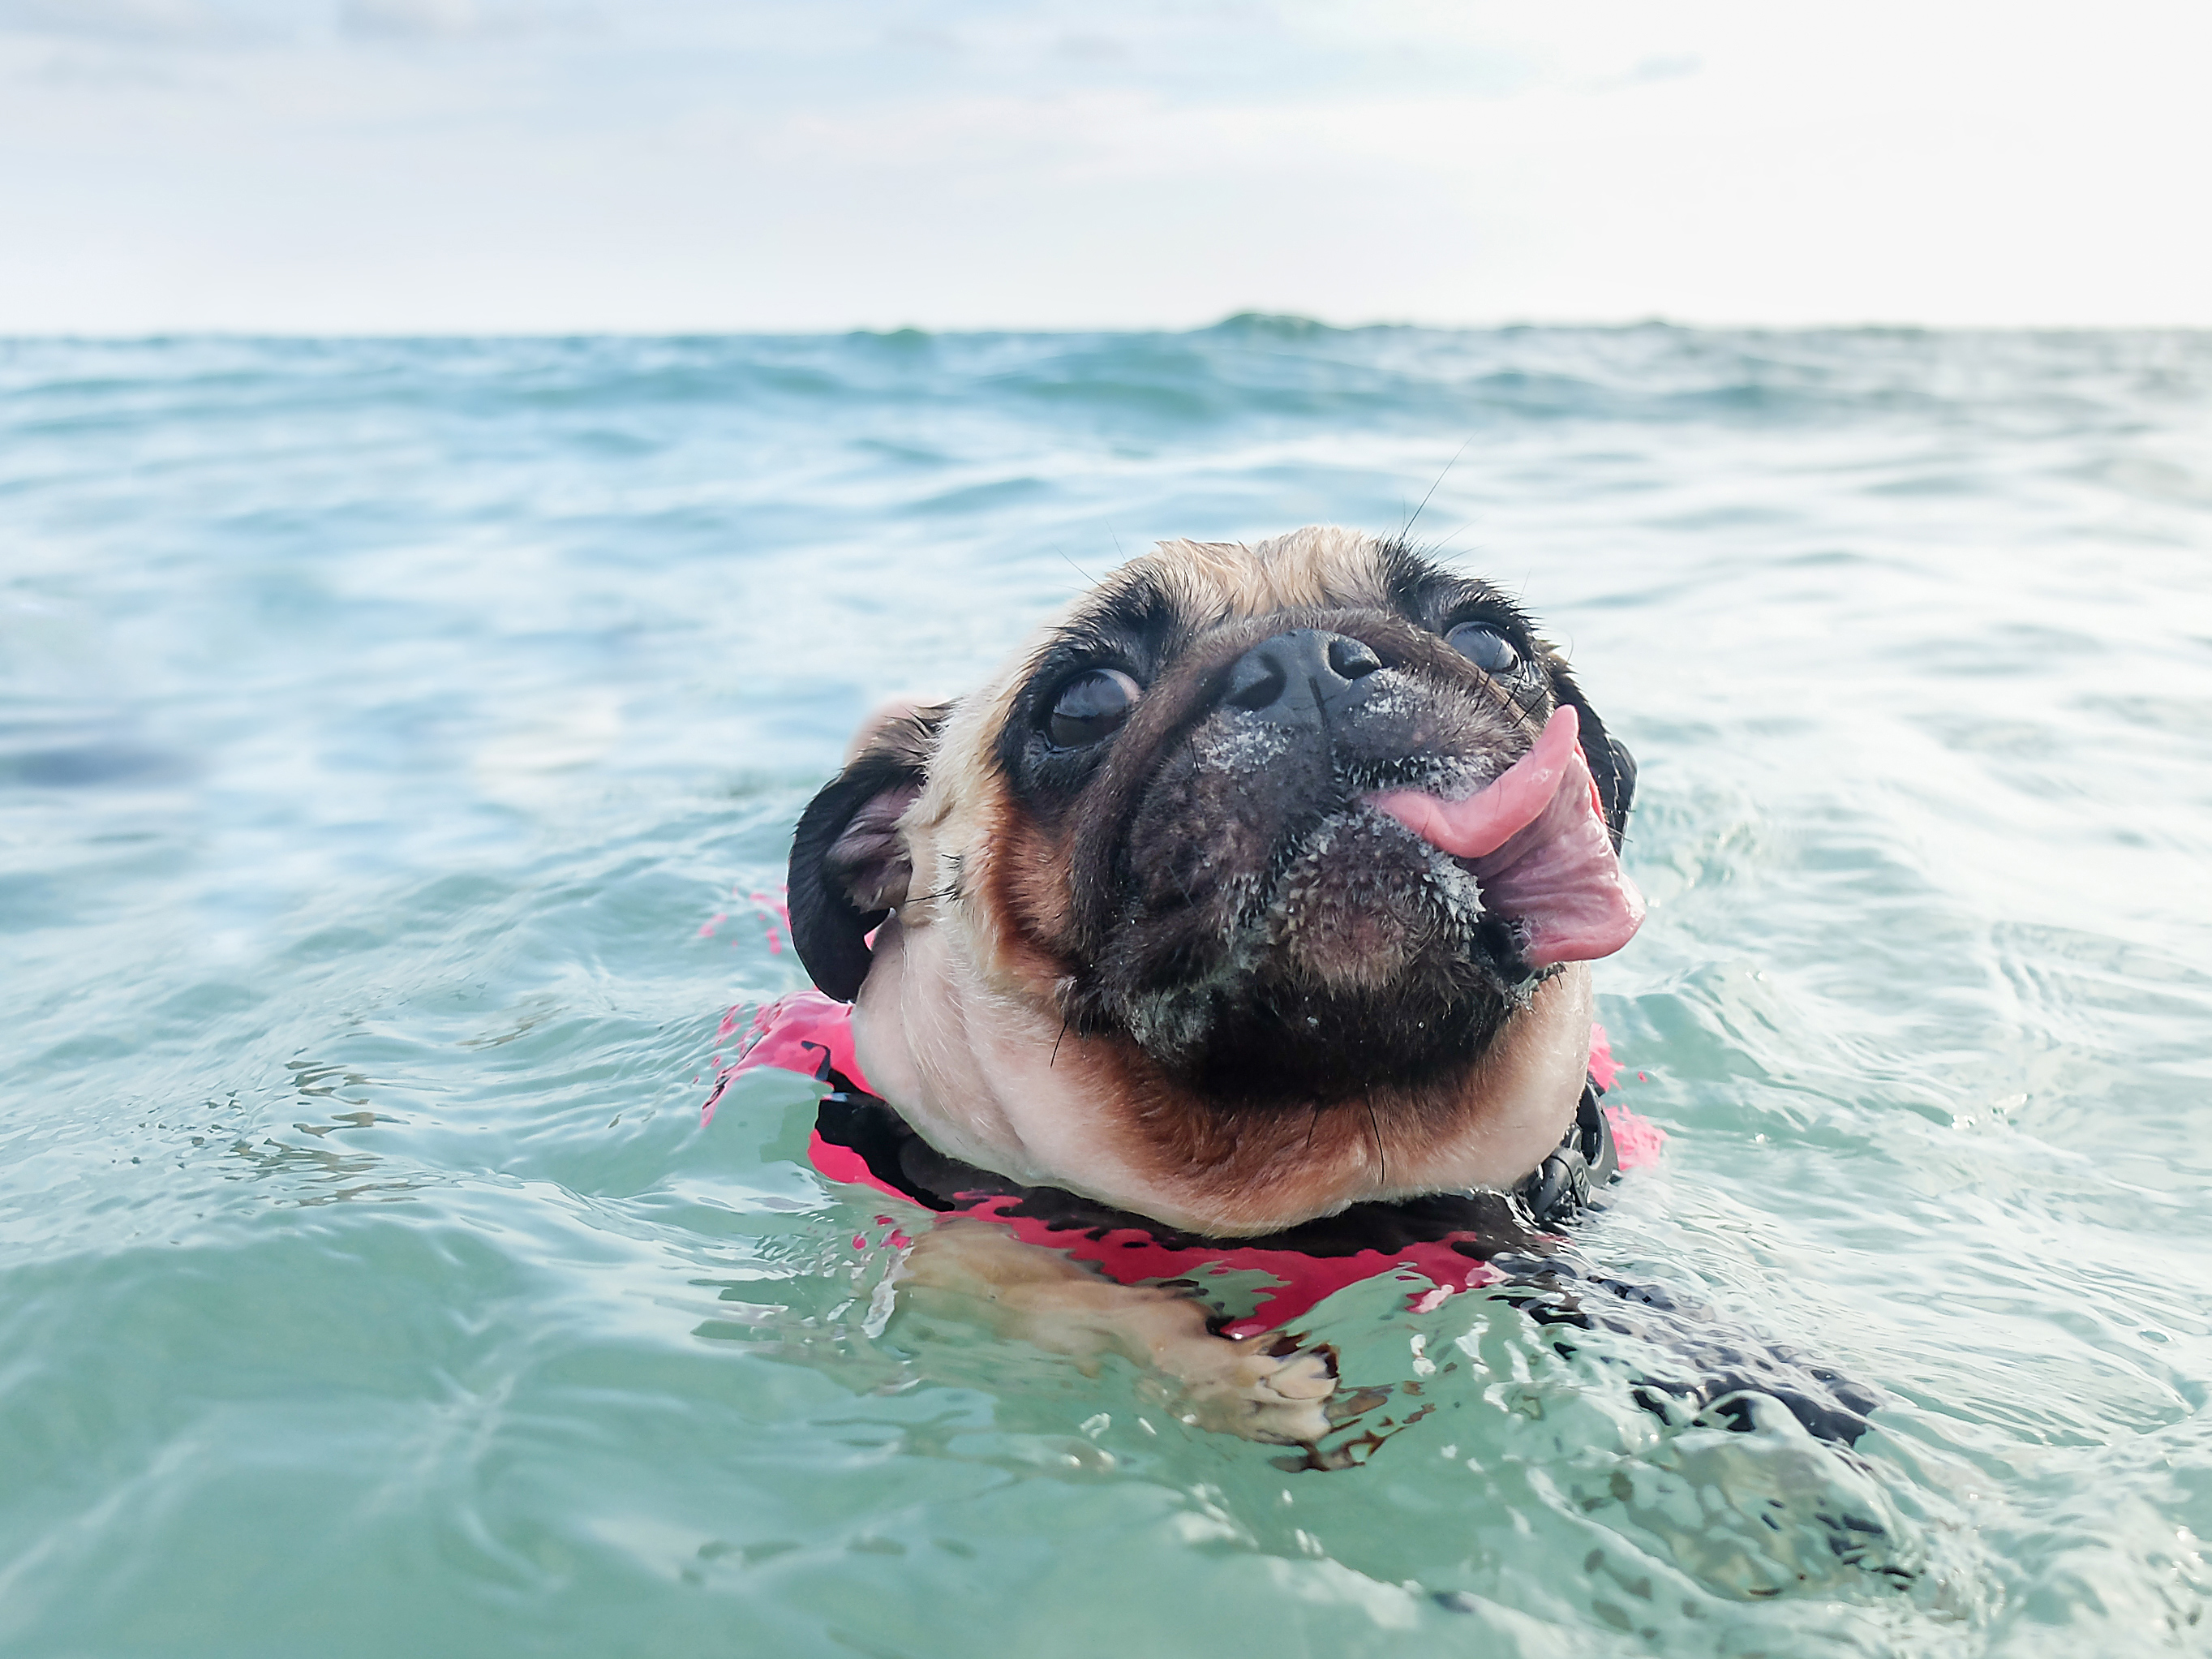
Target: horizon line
1257,320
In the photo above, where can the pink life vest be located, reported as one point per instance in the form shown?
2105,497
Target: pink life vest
1442,1244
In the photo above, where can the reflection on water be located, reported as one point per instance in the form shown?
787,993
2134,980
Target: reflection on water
399,746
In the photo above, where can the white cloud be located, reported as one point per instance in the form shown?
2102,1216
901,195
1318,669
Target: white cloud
455,20
196,21
771,165
410,18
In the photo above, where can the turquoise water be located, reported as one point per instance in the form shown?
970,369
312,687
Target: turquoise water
393,733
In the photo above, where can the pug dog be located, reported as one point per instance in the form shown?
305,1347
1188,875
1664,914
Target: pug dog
1260,884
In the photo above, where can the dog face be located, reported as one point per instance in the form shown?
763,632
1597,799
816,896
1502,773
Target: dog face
1257,884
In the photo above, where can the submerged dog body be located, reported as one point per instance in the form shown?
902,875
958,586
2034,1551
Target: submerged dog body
1260,885
1259,888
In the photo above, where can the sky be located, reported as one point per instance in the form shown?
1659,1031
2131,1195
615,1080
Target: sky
527,166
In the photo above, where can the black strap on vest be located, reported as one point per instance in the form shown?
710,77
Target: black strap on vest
1586,1161
1562,1187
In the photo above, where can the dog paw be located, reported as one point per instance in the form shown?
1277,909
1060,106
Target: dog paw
1240,1389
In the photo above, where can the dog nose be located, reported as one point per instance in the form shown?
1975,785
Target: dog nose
1293,677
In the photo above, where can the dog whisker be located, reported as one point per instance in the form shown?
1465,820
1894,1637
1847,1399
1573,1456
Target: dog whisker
1441,476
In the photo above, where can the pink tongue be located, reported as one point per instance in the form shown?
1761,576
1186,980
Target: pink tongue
1537,839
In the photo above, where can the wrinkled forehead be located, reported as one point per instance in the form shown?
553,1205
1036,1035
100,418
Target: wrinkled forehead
1185,588
1182,587
1209,583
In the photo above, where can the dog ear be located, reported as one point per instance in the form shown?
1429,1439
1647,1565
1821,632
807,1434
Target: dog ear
1611,765
849,864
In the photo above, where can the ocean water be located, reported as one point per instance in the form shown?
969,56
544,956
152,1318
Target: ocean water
395,737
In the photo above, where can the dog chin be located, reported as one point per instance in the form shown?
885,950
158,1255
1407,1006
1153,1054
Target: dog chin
987,1077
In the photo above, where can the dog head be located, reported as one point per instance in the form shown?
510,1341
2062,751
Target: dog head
1258,883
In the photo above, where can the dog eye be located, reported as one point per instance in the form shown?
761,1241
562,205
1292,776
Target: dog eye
1091,706
1485,647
